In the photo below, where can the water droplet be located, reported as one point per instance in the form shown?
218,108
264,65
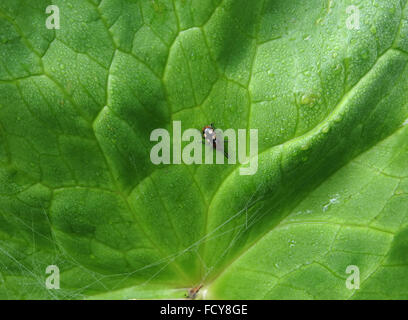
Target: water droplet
292,243
333,200
308,99
305,147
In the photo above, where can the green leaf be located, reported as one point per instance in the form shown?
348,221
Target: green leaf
78,189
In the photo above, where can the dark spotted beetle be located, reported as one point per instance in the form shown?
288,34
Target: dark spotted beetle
210,138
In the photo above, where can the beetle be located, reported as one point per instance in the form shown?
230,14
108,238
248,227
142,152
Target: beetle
210,137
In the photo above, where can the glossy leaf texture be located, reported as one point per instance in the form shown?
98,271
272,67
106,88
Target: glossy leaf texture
78,189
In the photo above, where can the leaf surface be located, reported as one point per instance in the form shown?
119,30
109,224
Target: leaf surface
78,189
